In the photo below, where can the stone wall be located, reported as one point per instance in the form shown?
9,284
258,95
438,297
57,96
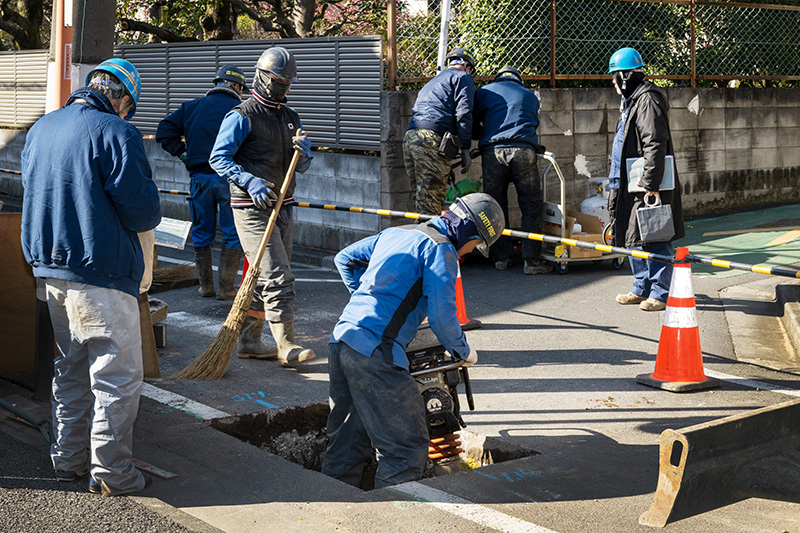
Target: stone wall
735,148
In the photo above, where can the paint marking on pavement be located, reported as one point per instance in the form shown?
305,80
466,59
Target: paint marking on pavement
753,384
468,510
181,403
784,239
198,324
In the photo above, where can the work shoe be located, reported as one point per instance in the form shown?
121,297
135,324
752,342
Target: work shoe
229,261
629,299
96,487
501,265
250,345
202,258
536,267
67,475
289,353
651,304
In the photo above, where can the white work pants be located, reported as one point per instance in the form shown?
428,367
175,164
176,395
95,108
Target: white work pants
96,383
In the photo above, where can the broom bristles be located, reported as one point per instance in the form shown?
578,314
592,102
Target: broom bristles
213,362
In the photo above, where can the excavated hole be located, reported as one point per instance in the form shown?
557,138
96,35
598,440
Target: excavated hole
298,435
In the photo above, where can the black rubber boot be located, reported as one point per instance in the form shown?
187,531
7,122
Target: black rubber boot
229,261
202,258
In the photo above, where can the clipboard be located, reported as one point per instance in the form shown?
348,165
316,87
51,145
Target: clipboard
635,168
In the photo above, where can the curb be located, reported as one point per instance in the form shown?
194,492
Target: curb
788,298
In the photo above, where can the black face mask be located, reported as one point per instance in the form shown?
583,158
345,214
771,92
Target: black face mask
270,87
628,81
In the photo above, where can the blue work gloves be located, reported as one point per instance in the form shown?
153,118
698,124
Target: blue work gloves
466,160
302,144
261,192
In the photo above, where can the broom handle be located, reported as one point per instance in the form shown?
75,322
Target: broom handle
273,217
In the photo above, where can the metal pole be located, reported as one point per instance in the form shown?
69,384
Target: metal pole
391,38
693,22
444,30
553,44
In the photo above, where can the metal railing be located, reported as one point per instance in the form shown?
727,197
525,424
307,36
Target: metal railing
552,40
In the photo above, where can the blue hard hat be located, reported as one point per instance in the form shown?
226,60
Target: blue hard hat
625,59
126,73
231,73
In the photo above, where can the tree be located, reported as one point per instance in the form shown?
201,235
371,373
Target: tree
22,24
190,20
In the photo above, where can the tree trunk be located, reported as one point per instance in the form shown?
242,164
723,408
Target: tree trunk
23,21
218,22
303,17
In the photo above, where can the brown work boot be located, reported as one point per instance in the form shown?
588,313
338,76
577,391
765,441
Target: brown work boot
629,299
202,258
536,267
250,345
289,353
651,304
229,261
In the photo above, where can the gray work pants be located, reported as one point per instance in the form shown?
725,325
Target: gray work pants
517,165
96,383
273,299
375,407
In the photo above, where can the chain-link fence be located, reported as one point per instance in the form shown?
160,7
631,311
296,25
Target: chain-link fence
555,40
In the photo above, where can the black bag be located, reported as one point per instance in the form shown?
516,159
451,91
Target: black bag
655,221
450,146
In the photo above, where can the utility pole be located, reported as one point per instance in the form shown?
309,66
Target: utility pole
444,31
58,68
92,36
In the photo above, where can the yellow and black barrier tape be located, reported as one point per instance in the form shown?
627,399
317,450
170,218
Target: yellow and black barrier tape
719,263
7,171
174,191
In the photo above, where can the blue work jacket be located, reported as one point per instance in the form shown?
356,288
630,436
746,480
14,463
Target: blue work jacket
445,104
506,114
88,191
409,276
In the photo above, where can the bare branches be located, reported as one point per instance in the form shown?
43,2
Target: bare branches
162,33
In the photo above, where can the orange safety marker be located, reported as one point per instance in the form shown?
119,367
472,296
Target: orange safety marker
461,309
679,362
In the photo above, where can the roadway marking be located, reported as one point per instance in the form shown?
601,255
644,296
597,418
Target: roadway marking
240,272
784,239
176,401
468,510
753,384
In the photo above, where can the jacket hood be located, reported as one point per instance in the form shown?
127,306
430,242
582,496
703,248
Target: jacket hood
94,98
649,87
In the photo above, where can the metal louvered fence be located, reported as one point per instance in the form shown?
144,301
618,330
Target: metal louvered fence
337,95
556,40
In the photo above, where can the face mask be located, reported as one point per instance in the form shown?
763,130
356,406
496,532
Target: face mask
273,88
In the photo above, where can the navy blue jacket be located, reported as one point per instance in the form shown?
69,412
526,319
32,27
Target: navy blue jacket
445,104
506,114
198,121
88,191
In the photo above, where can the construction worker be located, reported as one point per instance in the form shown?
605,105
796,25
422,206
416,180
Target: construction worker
440,128
253,151
88,192
642,132
198,122
396,279
506,118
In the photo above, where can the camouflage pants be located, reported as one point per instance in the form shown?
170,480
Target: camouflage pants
427,170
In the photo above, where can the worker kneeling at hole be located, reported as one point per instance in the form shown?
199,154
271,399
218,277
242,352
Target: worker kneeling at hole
253,151
396,279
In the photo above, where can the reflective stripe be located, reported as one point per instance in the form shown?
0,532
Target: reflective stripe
680,302
680,317
681,286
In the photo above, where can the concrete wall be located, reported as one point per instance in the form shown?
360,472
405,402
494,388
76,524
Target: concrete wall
735,148
342,179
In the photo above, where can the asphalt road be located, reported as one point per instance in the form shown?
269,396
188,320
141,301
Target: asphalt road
556,376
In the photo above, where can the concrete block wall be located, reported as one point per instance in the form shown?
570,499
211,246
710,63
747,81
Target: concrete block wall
735,148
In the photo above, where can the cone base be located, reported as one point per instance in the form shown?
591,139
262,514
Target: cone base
677,386
471,324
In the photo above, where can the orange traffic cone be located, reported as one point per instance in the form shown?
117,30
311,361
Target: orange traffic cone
461,310
679,362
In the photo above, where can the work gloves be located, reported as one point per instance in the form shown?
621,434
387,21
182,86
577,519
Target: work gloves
182,157
466,160
472,358
261,192
302,144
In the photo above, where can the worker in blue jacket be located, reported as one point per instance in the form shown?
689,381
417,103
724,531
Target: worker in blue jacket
198,122
506,118
396,279
253,151
88,192
441,121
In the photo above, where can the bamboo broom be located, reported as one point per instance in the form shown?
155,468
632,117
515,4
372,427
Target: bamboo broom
215,360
